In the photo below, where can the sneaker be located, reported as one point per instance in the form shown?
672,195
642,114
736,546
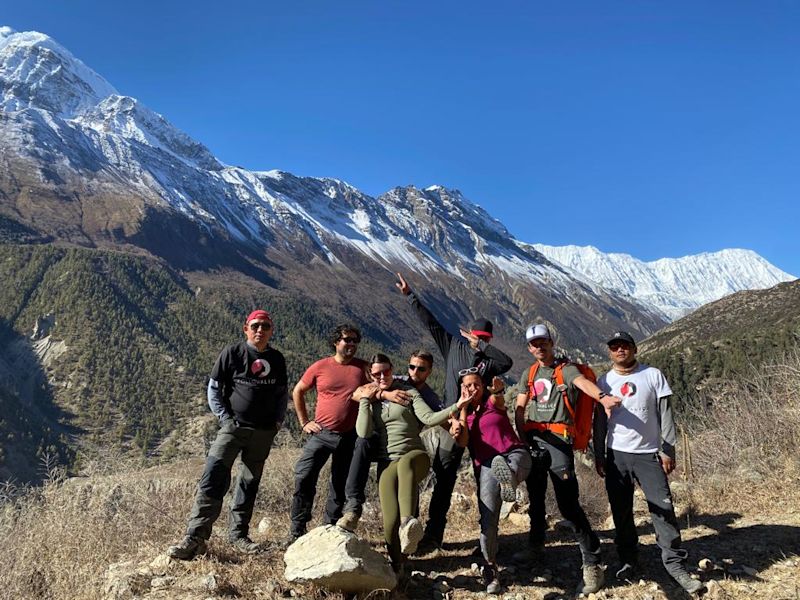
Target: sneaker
349,521
687,582
187,548
504,476
593,579
626,572
490,580
245,545
411,533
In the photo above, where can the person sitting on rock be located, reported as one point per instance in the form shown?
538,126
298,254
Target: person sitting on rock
402,459
500,460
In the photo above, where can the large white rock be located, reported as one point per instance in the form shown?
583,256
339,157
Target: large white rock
335,559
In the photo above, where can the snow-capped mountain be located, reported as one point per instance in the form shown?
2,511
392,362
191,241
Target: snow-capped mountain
80,163
674,286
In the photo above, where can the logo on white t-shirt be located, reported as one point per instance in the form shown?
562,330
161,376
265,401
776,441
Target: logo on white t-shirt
628,389
260,368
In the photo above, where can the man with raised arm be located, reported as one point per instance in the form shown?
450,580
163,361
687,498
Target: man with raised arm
332,435
471,348
545,421
636,444
248,393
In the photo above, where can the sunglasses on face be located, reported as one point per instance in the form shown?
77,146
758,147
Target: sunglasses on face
380,374
260,325
615,347
349,340
420,368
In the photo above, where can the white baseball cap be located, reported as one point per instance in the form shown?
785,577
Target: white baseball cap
538,331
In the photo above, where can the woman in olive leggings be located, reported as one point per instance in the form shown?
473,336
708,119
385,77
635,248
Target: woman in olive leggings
402,459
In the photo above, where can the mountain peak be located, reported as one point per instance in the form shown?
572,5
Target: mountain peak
38,72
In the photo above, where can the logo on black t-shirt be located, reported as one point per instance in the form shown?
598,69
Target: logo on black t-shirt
628,389
260,368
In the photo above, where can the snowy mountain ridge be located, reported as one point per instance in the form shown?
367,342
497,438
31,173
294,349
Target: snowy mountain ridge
674,286
85,164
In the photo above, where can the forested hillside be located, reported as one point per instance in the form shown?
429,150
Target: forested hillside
727,339
135,341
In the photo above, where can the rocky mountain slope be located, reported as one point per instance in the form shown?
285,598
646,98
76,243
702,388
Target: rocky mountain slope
729,338
673,286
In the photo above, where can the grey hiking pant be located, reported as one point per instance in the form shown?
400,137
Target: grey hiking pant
489,502
254,446
622,470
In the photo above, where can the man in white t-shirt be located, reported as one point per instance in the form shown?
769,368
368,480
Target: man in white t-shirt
637,444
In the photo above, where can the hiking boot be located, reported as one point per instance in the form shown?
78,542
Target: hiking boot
626,572
187,548
593,579
349,521
245,545
490,580
411,533
427,545
533,553
290,539
686,581
504,476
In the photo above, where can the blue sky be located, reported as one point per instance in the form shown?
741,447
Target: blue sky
652,128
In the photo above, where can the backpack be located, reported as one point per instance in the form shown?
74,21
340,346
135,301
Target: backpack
581,414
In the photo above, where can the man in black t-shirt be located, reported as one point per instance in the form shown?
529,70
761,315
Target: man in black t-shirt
248,392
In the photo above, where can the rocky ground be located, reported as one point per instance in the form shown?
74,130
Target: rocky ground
738,551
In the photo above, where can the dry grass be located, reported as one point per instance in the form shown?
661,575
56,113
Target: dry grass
59,540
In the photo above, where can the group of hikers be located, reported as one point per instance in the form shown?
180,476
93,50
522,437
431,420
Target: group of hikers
366,413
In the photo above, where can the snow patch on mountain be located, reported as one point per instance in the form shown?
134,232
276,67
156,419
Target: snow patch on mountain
674,286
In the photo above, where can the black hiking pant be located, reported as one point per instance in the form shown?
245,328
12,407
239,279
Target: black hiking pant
445,463
552,456
622,470
342,488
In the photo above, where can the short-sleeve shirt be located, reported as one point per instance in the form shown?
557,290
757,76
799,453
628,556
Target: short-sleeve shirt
335,384
546,404
634,426
253,382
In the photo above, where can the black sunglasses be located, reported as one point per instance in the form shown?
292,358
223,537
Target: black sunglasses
260,325
420,368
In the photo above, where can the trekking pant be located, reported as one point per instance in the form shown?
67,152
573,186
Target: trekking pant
364,454
316,452
445,463
254,446
398,488
489,502
622,469
552,455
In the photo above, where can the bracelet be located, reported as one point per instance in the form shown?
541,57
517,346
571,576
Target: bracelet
602,395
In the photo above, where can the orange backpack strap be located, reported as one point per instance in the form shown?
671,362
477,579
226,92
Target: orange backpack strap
531,377
559,373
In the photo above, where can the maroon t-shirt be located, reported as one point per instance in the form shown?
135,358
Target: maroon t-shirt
490,434
335,384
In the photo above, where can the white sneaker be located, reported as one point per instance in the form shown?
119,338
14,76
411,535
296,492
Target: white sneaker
410,534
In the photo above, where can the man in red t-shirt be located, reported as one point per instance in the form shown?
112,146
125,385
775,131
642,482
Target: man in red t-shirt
332,432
